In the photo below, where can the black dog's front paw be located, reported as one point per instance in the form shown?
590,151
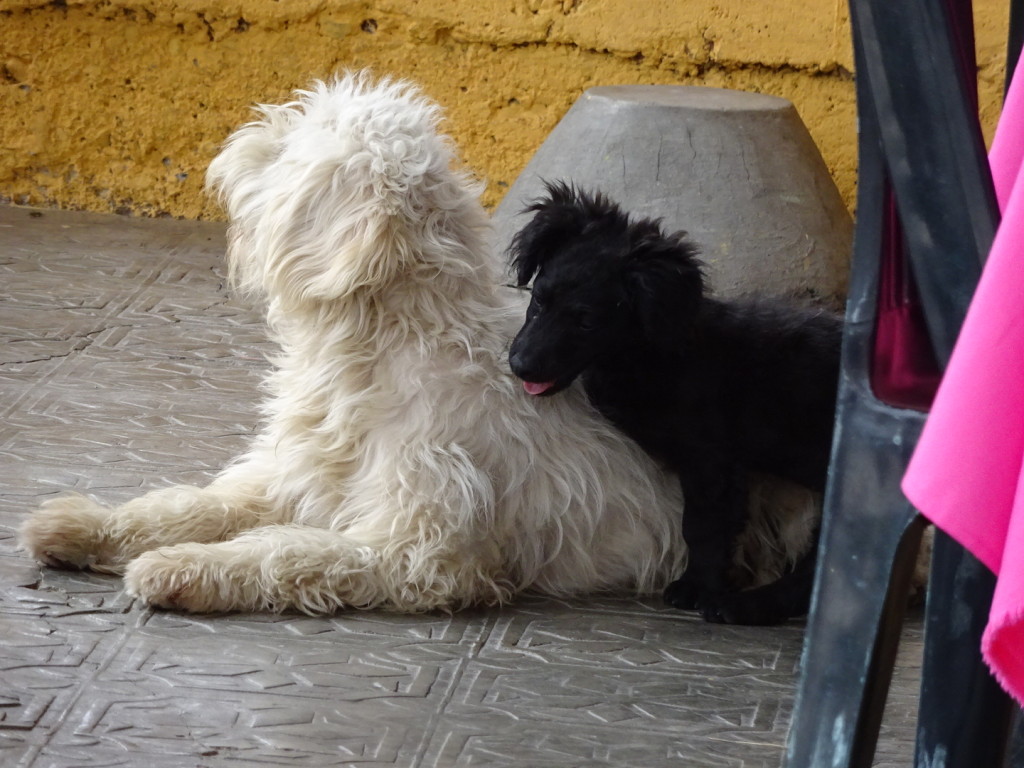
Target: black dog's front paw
723,607
740,608
716,608
688,594
683,594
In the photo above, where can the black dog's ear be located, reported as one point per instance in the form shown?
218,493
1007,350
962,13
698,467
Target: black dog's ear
665,280
548,231
559,218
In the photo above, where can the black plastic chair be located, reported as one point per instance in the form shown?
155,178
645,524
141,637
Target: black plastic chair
919,136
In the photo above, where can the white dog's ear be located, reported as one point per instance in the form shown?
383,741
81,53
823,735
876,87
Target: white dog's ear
321,193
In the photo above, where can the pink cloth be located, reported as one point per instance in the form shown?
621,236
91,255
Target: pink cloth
967,473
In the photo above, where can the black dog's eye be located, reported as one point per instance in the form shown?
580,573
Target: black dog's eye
584,320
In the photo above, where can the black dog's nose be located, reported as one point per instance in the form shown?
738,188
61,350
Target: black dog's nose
521,365
515,362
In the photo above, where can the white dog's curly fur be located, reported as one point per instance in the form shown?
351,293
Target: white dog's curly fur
400,465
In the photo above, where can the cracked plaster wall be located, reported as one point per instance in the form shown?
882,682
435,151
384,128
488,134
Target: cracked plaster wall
119,105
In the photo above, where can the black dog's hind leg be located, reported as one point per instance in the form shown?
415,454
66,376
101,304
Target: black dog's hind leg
714,514
785,598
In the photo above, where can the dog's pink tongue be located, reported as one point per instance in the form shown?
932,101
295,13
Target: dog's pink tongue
537,387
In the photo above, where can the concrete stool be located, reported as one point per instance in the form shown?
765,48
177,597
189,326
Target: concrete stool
737,170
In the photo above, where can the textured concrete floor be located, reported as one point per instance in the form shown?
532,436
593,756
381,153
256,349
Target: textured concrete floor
125,365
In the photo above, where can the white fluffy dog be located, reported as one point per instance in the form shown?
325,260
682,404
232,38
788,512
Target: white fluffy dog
400,464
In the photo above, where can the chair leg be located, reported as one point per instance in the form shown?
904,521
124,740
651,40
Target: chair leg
869,542
1015,749
964,718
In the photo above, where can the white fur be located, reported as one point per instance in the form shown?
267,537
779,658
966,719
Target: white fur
400,464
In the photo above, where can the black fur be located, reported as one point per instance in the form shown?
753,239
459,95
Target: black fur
715,389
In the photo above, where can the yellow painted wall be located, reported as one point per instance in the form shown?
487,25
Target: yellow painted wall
119,104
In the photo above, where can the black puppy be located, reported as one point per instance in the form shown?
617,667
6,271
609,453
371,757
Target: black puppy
714,389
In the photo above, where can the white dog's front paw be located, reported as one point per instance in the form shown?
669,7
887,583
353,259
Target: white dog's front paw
67,532
185,578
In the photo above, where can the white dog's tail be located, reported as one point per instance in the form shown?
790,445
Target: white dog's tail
343,189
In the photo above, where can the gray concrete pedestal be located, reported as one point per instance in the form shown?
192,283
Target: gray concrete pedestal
737,170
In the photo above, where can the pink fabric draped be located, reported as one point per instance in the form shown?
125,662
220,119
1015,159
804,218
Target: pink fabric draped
967,472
